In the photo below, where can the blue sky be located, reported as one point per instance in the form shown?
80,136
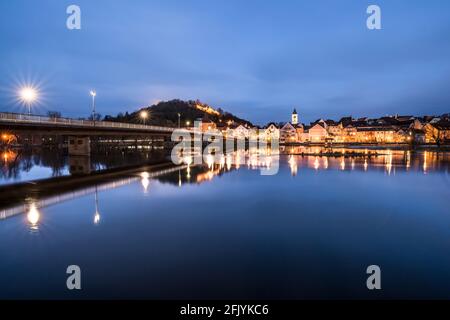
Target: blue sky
257,59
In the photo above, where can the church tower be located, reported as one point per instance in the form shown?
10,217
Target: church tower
294,118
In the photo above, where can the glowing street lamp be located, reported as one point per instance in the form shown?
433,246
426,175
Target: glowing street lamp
28,95
179,120
144,116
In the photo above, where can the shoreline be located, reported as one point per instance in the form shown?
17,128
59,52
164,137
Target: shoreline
384,146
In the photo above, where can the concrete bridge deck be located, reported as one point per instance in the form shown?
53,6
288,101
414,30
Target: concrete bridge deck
31,123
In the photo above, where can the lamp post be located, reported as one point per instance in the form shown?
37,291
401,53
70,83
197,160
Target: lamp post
179,120
93,94
144,116
28,95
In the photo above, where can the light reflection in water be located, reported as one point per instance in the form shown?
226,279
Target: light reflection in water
316,163
408,159
33,217
325,163
145,181
293,165
97,213
388,162
425,158
342,164
385,160
229,161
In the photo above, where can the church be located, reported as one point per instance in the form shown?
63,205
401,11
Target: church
292,131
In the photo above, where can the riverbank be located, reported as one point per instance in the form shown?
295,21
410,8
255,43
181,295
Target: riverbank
373,146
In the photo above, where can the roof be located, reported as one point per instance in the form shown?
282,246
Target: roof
442,125
295,111
346,121
320,124
404,118
271,123
359,123
365,129
288,124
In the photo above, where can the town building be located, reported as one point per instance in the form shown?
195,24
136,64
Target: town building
437,132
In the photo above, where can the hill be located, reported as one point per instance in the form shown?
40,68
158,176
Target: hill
165,113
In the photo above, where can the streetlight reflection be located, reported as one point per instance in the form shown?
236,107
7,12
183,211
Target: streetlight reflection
97,216
33,217
145,180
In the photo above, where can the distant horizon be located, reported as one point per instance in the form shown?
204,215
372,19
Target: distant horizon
324,117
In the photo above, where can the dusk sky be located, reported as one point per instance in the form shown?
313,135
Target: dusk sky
256,59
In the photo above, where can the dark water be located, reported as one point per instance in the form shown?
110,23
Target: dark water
19,165
309,231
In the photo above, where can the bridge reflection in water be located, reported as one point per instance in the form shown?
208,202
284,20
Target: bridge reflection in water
389,161
32,206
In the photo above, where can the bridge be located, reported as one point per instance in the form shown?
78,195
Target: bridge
77,131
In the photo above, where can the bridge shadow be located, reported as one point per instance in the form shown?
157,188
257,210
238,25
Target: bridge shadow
19,198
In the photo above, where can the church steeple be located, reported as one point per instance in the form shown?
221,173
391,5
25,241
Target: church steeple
294,118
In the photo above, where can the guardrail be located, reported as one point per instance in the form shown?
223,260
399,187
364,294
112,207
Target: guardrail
34,119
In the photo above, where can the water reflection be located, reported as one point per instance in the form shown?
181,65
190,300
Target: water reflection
33,216
39,163
145,181
293,165
388,161
236,208
97,213
368,160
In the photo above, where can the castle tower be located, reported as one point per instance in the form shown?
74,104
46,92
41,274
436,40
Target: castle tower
294,118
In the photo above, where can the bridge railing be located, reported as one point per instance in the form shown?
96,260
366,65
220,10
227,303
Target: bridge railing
26,118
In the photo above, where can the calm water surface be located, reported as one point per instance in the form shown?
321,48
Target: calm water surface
228,232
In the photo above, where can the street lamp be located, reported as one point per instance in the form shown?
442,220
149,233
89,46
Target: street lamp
188,123
93,94
179,119
28,95
144,115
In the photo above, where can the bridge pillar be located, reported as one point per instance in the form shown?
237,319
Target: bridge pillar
79,146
